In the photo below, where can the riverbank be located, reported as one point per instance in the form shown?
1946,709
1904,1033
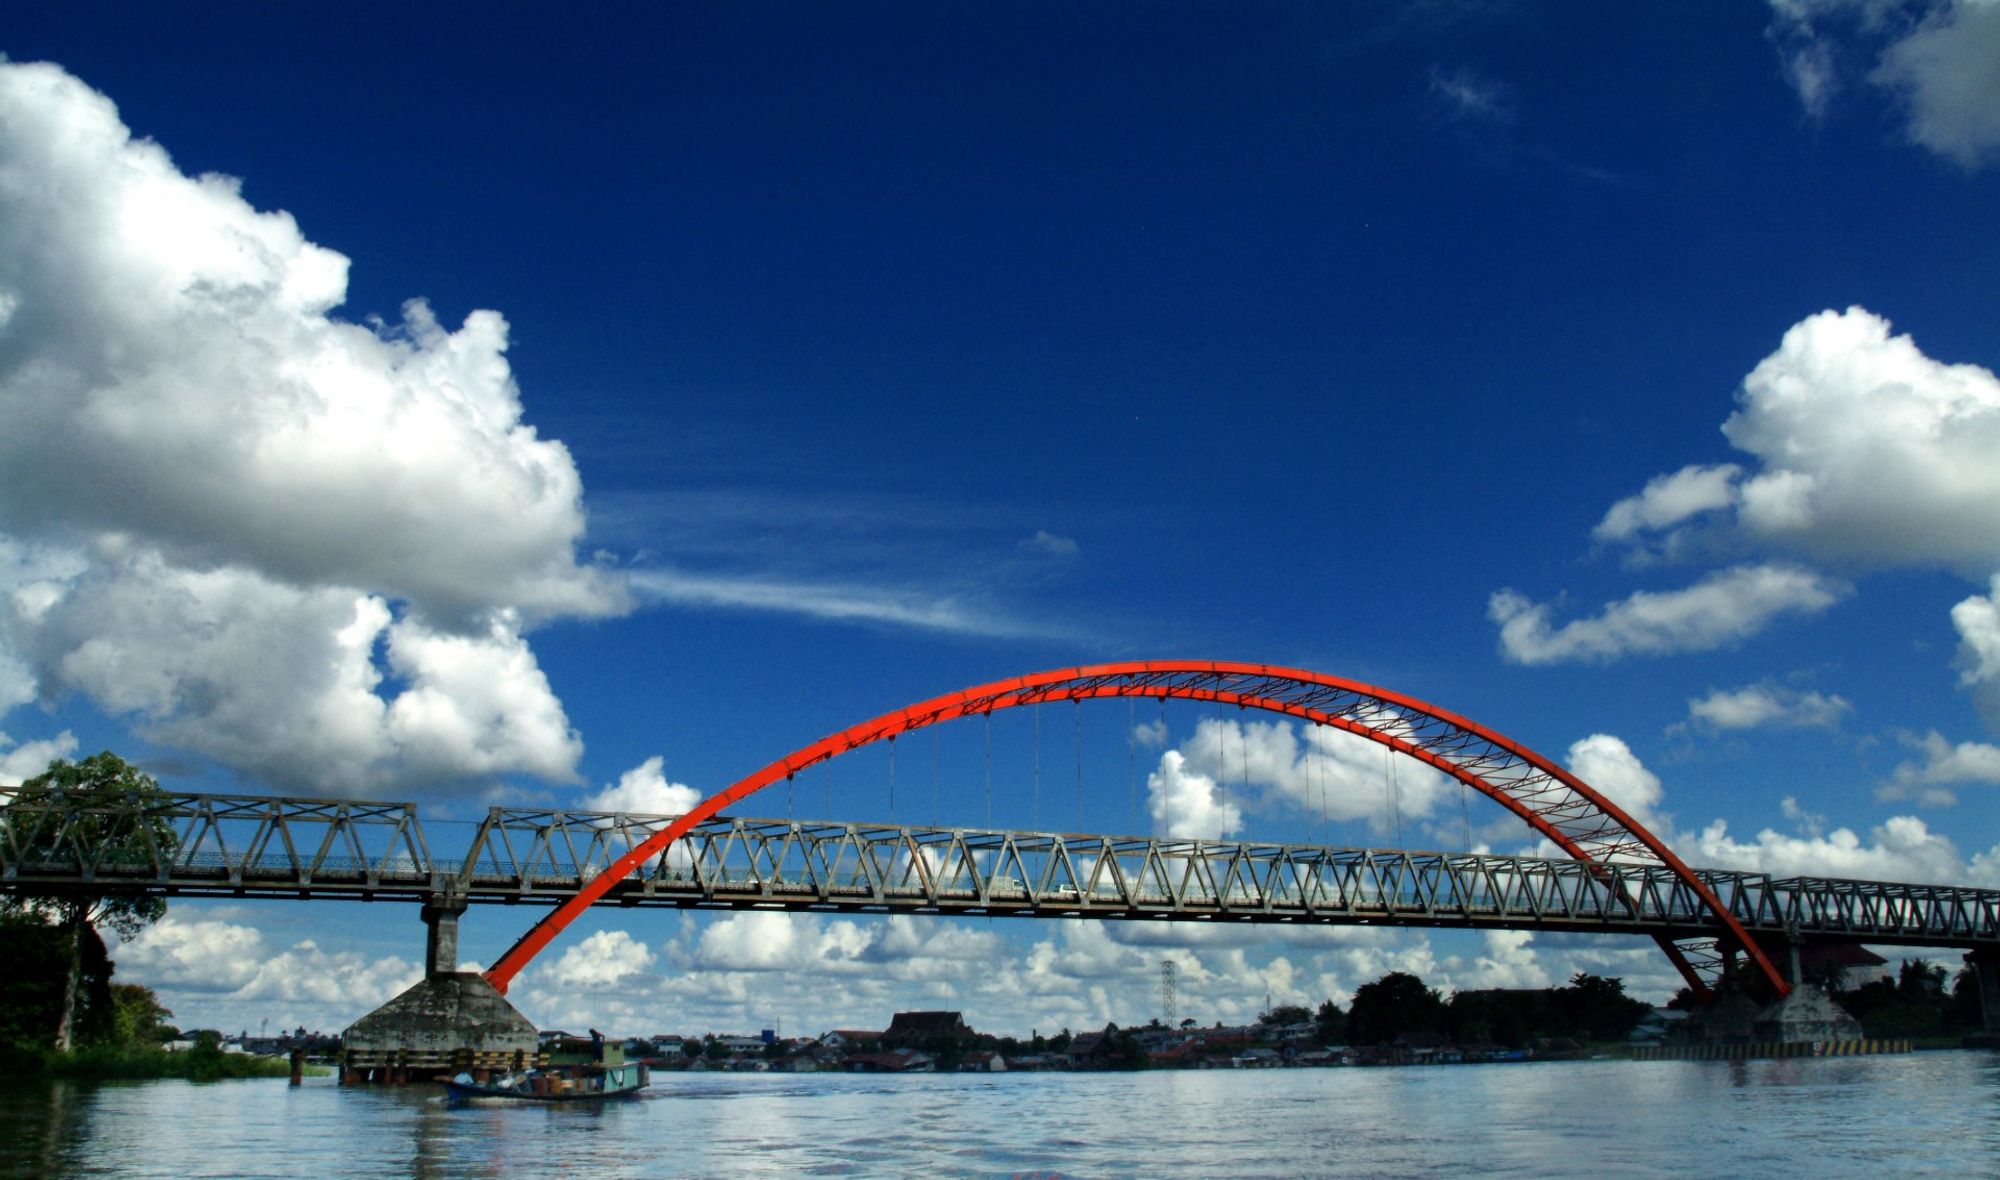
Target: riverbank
124,1064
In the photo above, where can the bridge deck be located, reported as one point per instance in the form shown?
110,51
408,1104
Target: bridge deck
245,845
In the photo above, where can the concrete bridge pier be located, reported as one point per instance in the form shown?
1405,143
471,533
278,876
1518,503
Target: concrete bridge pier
448,1021
1807,1014
441,915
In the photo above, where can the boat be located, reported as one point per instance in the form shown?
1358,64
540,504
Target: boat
578,1071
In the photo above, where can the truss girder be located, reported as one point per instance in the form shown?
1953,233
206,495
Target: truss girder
259,845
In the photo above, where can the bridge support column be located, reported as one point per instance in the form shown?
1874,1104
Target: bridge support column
1985,963
441,914
1783,949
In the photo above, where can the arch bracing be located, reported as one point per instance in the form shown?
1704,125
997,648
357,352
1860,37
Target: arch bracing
1552,802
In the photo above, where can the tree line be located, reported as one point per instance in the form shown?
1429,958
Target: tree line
1589,1008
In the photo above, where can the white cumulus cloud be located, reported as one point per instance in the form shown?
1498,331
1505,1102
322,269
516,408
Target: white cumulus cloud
284,505
1901,848
211,971
1606,763
1667,500
1314,771
1947,74
604,959
1867,452
1938,60
762,941
644,790
1977,620
1723,608
1188,804
1945,764
1758,705
24,760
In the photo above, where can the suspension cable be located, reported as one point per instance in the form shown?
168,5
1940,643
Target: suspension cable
1319,768
936,774
1131,764
989,769
1395,796
1221,760
1077,716
1037,824
892,780
1465,812
1243,748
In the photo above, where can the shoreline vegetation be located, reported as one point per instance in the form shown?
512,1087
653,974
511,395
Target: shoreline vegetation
130,1063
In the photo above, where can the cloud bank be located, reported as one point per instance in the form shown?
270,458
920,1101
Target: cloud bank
307,548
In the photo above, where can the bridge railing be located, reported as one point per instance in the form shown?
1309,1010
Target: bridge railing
210,844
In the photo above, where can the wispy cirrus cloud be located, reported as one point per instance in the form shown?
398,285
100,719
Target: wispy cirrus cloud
1463,94
836,602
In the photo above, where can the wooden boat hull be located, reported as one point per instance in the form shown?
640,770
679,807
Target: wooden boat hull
594,1085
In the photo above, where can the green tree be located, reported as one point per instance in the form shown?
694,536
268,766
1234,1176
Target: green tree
1330,1024
1919,980
1395,1004
140,1019
1598,1007
77,811
31,988
1285,1014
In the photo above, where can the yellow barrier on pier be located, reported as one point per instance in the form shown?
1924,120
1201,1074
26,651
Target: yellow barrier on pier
1856,1048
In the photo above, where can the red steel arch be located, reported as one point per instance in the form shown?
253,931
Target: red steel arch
1549,799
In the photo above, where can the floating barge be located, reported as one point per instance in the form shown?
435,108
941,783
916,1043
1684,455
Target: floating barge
577,1071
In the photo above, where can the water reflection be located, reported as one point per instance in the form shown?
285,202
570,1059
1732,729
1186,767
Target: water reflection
42,1129
1937,1113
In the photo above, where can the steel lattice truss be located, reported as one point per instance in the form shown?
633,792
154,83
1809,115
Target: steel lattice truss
311,848
1571,815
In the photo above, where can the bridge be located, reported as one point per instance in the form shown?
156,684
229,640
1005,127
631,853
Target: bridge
1615,877
251,846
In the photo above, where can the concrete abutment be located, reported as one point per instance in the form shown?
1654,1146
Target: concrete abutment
451,1020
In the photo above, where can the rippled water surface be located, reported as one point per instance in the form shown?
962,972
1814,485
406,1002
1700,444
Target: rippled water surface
1921,1114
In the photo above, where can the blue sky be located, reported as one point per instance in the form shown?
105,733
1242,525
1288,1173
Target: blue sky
1619,376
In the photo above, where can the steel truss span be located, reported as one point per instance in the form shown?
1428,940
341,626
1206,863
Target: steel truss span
1554,803
249,846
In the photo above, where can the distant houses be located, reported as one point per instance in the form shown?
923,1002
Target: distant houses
937,1042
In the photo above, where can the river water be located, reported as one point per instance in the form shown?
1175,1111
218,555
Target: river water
1909,1115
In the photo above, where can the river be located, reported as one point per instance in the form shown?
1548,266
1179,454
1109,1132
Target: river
1908,1115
